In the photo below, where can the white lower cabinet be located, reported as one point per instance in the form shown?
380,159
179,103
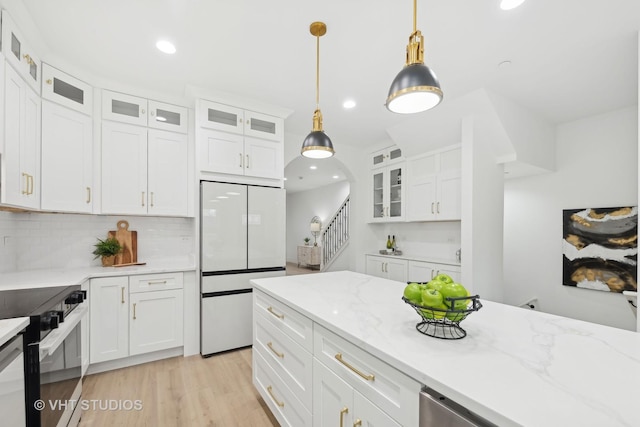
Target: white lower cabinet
131,315
308,375
420,271
387,268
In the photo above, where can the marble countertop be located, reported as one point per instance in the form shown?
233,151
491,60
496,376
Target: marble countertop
514,367
10,327
434,260
75,276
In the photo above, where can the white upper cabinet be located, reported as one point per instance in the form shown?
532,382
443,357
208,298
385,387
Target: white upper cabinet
19,53
386,156
236,120
21,155
239,142
124,108
434,192
66,90
67,159
167,166
167,117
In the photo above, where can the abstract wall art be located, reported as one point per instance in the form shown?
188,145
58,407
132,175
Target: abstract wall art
600,248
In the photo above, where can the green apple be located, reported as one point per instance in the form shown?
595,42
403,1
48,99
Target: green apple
455,290
444,278
456,317
436,284
413,293
431,298
438,313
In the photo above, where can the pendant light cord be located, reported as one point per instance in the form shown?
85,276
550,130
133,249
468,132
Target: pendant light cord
415,13
317,72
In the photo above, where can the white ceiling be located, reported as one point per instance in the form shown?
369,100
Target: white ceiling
569,58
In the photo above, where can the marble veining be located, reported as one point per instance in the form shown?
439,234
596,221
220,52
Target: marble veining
515,367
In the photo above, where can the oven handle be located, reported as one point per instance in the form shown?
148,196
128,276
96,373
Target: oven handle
51,342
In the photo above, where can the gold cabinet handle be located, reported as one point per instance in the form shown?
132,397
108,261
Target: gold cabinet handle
88,194
270,390
142,199
49,81
270,345
240,165
369,377
151,195
358,423
247,165
142,111
30,60
157,282
438,207
343,411
432,204
122,295
279,316
26,183
31,180
134,311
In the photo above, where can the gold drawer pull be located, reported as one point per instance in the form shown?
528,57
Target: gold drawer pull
158,282
134,311
279,316
358,423
270,345
343,411
369,377
270,390
122,295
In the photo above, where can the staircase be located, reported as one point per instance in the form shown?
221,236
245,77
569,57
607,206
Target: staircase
335,236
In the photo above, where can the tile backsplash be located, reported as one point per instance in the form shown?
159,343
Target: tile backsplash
42,240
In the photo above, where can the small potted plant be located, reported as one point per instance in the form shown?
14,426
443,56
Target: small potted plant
107,249
306,241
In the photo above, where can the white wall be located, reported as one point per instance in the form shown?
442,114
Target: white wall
596,166
53,241
304,205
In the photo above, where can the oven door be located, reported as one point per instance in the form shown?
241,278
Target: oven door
61,371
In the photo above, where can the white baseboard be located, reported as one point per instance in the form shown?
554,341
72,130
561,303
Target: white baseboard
139,359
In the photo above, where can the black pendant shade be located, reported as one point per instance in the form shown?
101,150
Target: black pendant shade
317,145
415,88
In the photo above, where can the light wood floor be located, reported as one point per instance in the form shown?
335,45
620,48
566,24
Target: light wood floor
180,391
293,269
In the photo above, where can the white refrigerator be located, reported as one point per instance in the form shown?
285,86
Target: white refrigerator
242,237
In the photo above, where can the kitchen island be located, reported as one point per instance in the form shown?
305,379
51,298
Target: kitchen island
515,366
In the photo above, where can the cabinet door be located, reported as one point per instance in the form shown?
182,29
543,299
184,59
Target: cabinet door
30,146
395,194
377,195
65,90
124,168
451,270
156,321
449,185
422,181
167,117
263,159
167,173
263,126
124,108
369,414
396,269
221,152
19,54
420,272
375,266
67,159
109,322
15,180
222,117
332,398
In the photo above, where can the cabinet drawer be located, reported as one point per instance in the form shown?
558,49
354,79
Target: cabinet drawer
390,390
282,401
66,90
290,322
155,282
288,359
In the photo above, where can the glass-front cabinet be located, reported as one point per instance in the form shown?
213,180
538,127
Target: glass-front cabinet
387,194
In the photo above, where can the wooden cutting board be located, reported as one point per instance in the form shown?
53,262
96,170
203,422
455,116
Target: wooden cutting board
128,240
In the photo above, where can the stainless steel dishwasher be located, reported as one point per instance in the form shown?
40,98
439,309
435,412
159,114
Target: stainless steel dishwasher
437,410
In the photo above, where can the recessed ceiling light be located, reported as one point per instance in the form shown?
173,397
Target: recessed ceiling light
335,177
349,103
313,167
510,4
166,47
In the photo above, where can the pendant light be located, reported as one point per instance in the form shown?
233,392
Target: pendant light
416,87
317,144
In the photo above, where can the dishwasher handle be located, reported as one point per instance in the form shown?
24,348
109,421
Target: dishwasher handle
438,410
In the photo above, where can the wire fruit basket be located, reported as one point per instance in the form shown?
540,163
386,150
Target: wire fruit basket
445,324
